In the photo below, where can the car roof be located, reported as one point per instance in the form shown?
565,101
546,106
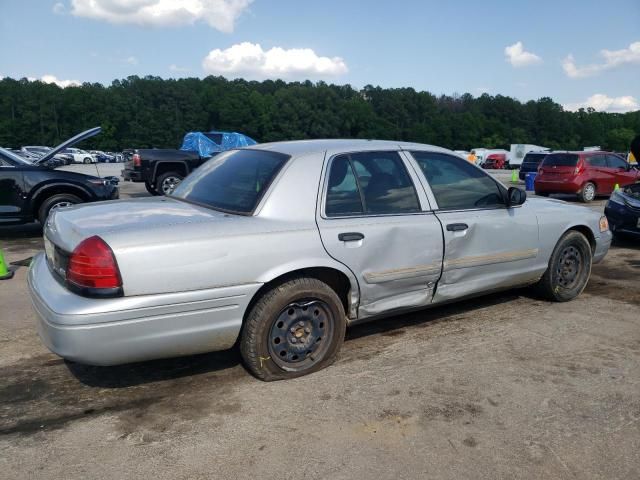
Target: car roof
303,147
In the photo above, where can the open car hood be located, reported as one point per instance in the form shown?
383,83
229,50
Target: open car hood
631,194
67,143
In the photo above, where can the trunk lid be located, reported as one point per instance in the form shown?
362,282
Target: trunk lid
67,227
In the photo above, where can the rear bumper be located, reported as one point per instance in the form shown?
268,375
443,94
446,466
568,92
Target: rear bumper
559,185
132,175
132,329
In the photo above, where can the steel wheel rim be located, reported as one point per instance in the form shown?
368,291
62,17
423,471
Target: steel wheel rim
589,192
169,184
301,334
570,267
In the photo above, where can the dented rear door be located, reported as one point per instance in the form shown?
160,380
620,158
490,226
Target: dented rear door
374,220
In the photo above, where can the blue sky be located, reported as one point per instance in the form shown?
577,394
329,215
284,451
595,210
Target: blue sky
442,47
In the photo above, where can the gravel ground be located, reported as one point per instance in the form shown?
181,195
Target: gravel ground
504,386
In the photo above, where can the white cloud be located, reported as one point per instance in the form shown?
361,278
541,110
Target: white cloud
58,8
60,83
612,59
249,60
176,68
131,60
517,56
219,14
604,103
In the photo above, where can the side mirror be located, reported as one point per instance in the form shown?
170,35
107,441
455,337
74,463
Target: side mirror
515,197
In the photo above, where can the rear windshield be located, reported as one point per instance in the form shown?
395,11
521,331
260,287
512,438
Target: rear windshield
534,158
561,160
232,181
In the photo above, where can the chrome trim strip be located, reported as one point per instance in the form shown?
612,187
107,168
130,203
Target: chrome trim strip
402,273
481,260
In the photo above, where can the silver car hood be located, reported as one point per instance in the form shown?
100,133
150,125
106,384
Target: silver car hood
69,226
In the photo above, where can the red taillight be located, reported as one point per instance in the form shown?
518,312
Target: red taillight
136,160
92,265
579,167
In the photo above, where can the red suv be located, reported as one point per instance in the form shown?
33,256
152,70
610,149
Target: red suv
586,174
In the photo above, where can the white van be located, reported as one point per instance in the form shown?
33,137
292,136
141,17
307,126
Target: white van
519,150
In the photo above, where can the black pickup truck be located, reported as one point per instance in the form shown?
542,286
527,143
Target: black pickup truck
161,170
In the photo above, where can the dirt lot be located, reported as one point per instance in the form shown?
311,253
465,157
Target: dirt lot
505,386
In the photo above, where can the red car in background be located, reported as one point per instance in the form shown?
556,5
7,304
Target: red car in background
586,174
495,161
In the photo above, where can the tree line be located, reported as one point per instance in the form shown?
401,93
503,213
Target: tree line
155,112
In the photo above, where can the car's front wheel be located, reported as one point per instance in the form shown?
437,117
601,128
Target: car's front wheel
294,329
569,268
86,161
54,202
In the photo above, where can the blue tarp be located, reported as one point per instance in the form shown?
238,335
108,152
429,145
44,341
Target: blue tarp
207,144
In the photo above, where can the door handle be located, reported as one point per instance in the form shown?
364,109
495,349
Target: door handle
457,227
350,236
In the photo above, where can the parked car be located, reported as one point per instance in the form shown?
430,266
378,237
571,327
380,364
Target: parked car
80,156
495,161
530,163
39,151
162,170
283,245
623,210
103,157
31,190
483,153
585,174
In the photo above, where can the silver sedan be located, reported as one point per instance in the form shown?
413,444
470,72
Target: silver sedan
281,246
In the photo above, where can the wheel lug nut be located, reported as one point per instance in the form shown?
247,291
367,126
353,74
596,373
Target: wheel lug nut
294,340
307,330
301,324
292,329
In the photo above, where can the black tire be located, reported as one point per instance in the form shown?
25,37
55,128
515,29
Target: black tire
62,199
542,194
587,193
150,188
560,284
274,325
86,161
164,181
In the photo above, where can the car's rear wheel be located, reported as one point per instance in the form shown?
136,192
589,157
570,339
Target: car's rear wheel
294,329
167,182
54,202
588,192
150,188
569,268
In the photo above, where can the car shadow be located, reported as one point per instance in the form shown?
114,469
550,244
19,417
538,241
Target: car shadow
134,374
225,362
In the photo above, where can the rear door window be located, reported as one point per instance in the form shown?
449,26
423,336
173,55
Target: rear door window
370,183
597,161
458,185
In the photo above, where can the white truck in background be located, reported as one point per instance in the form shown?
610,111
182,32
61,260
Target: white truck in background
519,150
